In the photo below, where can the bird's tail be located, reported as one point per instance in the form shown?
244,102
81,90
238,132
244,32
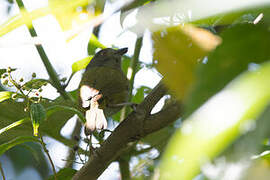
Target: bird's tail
95,118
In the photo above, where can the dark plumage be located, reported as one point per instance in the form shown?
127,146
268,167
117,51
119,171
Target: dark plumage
103,84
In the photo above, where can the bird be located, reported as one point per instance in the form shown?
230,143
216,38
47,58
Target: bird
103,87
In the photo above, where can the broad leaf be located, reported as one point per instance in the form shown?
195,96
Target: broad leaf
239,51
64,174
216,124
38,115
19,140
177,51
10,111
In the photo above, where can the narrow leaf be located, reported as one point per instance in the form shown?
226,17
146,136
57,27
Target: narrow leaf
216,124
4,95
81,64
93,44
17,123
19,140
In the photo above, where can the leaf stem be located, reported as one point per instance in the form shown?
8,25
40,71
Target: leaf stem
49,157
2,172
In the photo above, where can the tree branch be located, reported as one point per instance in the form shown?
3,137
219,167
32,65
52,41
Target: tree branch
138,124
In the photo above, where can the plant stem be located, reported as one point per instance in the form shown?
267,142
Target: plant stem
124,168
2,172
49,157
134,64
134,67
52,73
124,163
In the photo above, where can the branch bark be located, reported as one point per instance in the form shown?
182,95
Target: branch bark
138,124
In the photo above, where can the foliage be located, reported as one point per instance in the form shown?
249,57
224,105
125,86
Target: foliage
216,63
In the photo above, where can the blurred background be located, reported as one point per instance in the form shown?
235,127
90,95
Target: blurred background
212,55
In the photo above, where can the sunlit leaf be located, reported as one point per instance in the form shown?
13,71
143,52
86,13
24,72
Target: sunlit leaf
216,124
140,93
81,64
239,50
2,71
70,12
17,123
93,44
177,51
64,10
125,64
19,140
38,115
4,95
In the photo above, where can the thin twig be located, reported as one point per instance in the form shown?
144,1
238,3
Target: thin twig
2,172
49,157
134,68
124,163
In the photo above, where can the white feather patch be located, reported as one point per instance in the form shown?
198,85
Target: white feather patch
101,121
91,116
86,93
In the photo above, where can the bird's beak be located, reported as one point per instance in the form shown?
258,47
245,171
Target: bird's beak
122,51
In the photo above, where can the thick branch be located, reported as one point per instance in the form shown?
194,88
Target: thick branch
138,124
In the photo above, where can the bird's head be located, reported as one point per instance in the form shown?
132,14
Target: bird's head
108,57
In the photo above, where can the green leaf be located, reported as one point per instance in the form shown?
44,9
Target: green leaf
56,108
64,174
17,123
2,71
81,64
216,124
11,111
38,115
177,51
36,83
19,140
4,95
125,64
93,44
29,155
228,60
64,10
160,139
139,96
